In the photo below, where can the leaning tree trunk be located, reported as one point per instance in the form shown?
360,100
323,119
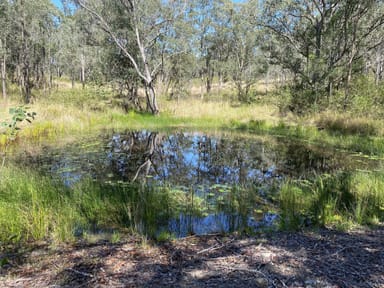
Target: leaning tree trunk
150,93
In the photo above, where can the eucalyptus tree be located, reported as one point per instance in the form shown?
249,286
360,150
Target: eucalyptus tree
178,55
225,43
140,38
32,24
5,33
377,63
117,69
223,17
320,42
210,20
201,19
361,24
246,59
79,41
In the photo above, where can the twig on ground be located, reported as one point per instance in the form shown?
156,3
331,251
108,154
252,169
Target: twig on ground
244,270
215,247
80,273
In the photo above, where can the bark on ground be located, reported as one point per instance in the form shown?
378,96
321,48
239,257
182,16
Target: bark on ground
324,258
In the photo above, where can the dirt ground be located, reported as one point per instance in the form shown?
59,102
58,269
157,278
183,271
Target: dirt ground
324,258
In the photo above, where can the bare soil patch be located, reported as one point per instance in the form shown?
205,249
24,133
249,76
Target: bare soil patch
323,258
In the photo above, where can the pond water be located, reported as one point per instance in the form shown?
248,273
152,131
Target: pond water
226,182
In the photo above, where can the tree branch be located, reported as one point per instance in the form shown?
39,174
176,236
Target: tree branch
108,29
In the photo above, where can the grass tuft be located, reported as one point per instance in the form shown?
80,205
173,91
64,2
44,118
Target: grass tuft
331,200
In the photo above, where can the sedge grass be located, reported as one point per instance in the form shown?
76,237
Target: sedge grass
333,200
36,207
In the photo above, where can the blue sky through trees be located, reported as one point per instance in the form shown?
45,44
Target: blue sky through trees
59,4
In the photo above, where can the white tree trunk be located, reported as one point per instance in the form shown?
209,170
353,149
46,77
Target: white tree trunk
3,70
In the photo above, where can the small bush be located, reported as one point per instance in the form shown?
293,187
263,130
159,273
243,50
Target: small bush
301,100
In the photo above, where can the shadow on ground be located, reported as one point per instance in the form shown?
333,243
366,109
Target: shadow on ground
323,258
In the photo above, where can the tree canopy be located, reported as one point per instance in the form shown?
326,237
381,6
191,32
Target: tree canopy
159,46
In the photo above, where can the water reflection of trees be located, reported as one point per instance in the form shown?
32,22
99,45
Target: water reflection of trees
193,158
187,159
303,160
201,176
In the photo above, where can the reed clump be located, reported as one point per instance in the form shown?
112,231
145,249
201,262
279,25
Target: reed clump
37,207
333,200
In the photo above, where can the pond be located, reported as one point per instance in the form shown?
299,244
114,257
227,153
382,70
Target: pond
214,183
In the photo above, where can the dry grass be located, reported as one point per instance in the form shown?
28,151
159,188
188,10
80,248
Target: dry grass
222,111
348,124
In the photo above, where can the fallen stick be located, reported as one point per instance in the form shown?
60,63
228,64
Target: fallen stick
79,272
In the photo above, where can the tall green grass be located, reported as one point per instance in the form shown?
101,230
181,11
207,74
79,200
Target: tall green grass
35,207
336,200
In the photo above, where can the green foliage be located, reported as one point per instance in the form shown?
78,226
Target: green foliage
294,204
165,236
331,197
361,136
366,97
18,114
368,189
316,68
301,100
36,207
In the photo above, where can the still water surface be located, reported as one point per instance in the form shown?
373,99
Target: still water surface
234,178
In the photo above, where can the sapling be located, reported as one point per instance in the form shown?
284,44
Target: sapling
11,127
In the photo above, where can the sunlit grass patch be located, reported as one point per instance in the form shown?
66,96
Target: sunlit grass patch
36,207
223,112
353,198
30,206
